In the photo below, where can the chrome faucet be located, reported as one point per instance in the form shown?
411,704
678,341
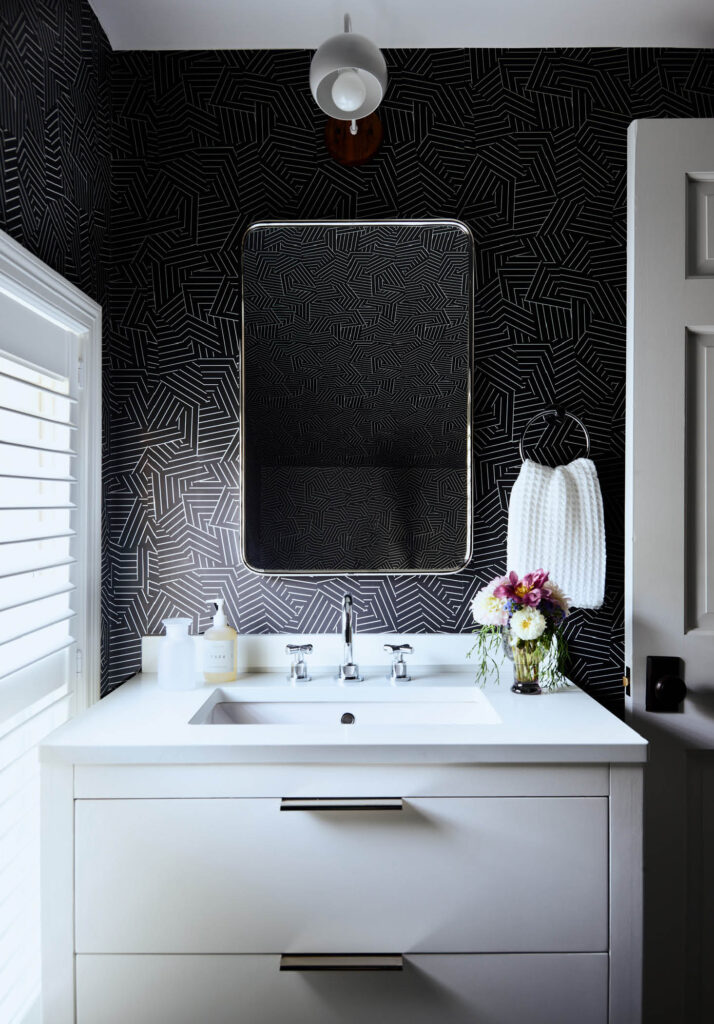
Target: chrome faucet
348,670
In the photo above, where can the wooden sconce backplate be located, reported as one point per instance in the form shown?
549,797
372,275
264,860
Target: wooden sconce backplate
350,149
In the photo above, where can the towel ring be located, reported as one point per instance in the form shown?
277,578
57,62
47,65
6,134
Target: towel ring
559,414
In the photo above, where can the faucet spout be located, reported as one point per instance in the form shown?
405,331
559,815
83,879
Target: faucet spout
348,670
347,627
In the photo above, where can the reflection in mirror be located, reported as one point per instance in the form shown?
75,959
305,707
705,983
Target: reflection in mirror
355,397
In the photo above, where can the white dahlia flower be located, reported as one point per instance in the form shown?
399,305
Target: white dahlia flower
489,610
528,623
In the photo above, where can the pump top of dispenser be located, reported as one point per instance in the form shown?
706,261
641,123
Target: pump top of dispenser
176,627
219,619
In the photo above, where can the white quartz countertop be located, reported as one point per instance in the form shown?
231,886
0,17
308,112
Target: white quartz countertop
141,724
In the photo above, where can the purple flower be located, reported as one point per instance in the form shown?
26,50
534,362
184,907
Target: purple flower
527,591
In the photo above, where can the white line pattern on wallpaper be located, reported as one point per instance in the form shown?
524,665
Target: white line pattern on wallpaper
527,147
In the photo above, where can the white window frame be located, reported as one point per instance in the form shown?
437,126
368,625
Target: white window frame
27,279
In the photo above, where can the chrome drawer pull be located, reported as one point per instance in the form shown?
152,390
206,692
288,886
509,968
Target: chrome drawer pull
330,962
323,803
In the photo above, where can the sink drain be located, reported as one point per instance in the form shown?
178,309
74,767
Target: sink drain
348,718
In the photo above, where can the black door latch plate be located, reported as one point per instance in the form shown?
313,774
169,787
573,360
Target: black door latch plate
665,688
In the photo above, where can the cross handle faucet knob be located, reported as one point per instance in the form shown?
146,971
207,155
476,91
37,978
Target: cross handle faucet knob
298,668
398,671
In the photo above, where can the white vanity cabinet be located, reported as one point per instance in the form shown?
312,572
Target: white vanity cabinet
499,893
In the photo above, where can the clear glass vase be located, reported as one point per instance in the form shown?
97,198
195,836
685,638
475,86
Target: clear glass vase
527,657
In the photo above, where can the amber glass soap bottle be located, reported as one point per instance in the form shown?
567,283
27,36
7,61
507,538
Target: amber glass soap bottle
219,648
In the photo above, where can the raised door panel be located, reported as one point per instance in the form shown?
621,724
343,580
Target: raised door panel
440,875
497,989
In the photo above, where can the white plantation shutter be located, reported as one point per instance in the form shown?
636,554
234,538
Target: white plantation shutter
37,509
49,427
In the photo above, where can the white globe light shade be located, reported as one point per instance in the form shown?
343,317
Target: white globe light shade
338,57
349,91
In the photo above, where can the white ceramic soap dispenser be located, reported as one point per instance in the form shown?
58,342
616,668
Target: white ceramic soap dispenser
219,648
177,665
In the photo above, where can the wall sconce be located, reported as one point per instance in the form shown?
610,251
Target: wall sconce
348,78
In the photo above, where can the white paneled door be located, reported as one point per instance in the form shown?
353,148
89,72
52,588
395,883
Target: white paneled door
670,549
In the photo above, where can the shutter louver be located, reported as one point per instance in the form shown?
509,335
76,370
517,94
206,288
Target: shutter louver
36,515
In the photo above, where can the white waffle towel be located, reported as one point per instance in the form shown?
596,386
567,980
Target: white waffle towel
556,523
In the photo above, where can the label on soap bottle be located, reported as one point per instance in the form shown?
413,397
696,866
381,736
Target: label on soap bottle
218,655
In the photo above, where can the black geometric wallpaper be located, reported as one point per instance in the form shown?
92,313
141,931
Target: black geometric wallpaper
528,147
356,368
55,122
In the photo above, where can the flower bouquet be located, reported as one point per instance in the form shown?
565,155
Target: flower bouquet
525,615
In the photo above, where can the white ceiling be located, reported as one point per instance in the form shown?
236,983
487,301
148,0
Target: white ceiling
303,24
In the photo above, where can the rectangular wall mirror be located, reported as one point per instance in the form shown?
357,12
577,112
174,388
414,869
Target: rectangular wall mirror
356,372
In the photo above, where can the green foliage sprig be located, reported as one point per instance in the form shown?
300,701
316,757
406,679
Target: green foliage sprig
488,653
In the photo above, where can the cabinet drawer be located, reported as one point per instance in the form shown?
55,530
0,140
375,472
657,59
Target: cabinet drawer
456,989
439,875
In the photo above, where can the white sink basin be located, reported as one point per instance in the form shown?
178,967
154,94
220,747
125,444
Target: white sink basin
345,712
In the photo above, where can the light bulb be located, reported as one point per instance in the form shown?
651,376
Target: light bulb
348,91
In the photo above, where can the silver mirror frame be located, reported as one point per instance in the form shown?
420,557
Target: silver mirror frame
406,222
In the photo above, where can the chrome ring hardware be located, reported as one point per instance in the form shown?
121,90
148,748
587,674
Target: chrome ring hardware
398,672
325,803
332,962
298,668
555,413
